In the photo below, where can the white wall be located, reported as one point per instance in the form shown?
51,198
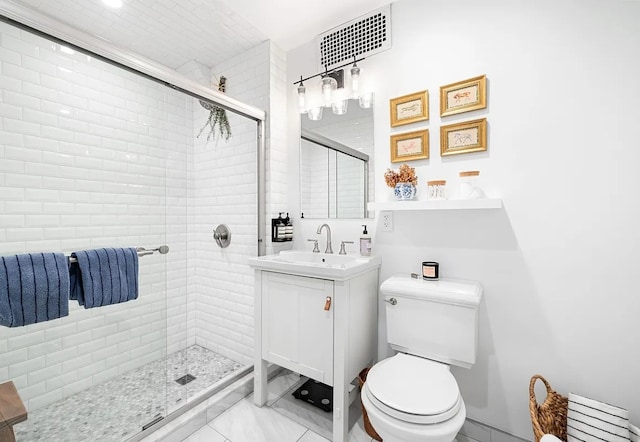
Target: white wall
557,262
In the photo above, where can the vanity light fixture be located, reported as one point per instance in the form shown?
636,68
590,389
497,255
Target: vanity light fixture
302,99
340,102
355,80
315,113
328,86
366,100
332,91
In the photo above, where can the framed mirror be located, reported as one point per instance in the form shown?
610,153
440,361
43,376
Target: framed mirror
336,160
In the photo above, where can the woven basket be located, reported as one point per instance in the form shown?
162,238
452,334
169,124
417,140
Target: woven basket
550,417
362,377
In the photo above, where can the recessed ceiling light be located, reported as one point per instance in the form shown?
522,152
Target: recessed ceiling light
113,3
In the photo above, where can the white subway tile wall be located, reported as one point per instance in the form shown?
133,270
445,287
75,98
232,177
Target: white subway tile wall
223,310
94,156
91,156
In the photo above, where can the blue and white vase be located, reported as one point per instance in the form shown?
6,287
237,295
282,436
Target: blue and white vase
404,191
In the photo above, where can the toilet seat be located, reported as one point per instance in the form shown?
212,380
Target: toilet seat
413,389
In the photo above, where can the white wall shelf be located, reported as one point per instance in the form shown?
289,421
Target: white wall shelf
492,203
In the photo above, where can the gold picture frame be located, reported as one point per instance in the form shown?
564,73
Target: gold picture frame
410,146
465,137
409,108
463,96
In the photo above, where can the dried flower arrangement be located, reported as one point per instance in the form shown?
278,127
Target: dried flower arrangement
406,174
217,117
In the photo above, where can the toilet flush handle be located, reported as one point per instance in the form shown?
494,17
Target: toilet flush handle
392,301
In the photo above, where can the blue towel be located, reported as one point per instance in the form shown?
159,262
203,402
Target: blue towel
104,276
34,288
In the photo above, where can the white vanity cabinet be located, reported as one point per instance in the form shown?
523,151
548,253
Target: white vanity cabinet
297,324
324,328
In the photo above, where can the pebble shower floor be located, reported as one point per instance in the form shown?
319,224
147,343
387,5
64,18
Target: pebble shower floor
117,409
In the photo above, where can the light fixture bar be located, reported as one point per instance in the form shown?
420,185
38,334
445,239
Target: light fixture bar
325,72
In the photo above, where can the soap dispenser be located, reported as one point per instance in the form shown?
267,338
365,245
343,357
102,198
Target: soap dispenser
288,228
365,242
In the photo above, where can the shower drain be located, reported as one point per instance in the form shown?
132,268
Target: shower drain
184,380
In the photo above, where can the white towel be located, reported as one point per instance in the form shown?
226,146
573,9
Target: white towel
589,420
634,433
550,438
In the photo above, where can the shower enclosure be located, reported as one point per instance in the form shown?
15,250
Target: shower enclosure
94,154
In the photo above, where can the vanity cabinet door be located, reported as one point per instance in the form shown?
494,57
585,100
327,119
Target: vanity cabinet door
297,324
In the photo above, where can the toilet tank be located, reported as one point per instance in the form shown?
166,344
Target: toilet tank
437,320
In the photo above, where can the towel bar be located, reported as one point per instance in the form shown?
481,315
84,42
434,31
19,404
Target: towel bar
163,250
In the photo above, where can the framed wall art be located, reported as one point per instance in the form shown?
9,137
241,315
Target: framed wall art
410,146
463,96
409,108
465,137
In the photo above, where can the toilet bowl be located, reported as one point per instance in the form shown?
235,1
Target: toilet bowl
413,399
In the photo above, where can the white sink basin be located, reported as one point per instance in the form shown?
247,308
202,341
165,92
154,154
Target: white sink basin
318,265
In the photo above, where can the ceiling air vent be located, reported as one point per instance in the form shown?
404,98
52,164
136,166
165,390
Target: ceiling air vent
360,37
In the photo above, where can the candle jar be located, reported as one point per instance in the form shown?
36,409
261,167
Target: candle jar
430,270
437,189
469,188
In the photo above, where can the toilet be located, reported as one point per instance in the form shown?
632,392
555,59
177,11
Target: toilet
432,325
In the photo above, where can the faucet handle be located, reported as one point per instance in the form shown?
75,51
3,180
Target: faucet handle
342,248
315,245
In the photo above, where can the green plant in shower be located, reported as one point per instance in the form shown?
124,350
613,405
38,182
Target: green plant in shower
218,122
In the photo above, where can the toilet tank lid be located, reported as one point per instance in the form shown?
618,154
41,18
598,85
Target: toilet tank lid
452,291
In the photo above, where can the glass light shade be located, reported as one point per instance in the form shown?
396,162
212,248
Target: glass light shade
302,102
340,102
366,100
313,98
328,85
355,81
315,113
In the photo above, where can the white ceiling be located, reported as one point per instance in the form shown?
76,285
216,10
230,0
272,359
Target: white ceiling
174,32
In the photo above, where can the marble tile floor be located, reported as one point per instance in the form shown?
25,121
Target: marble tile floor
117,409
283,419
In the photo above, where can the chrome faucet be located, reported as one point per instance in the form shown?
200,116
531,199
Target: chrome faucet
319,231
